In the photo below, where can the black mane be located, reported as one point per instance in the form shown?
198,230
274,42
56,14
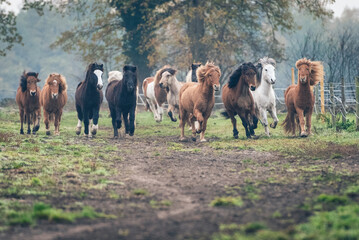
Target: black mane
23,79
234,78
194,69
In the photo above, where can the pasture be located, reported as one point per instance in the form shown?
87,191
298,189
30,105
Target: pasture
151,186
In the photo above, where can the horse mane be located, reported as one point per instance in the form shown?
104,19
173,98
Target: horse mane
203,70
62,83
23,79
114,75
234,78
259,66
166,68
316,70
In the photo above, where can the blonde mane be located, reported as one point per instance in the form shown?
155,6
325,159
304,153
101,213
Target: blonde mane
165,68
316,70
114,75
62,79
203,70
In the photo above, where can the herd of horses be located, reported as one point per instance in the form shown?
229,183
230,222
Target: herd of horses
249,94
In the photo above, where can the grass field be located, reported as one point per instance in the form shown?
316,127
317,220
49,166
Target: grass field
151,186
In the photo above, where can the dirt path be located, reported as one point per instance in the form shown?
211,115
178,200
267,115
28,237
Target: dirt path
167,190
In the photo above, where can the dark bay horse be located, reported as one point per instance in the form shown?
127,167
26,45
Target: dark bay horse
88,98
237,98
28,100
121,96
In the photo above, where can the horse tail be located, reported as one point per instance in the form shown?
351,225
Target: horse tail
289,124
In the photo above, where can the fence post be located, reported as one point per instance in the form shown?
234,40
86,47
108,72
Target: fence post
357,101
316,94
292,76
322,95
344,117
332,100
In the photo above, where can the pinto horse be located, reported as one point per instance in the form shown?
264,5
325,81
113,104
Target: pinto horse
28,100
191,75
299,98
238,99
196,100
53,98
264,96
172,85
122,100
88,99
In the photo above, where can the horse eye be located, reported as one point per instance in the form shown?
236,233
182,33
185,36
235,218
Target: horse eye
266,70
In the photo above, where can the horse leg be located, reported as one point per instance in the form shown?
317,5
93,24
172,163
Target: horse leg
125,120
264,120
28,116
114,122
57,122
198,115
47,122
245,125
183,120
37,116
22,115
132,120
95,117
308,119
154,110
204,127
300,114
170,111
234,124
79,120
193,128
86,123
273,113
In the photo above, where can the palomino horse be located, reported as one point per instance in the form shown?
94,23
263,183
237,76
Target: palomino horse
53,98
172,85
197,100
299,98
237,98
88,98
264,96
191,75
122,100
28,100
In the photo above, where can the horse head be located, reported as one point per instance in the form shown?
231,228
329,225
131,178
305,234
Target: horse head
266,70
249,75
209,74
94,75
167,78
57,84
29,82
304,68
130,77
194,68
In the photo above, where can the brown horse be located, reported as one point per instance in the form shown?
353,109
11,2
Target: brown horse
53,98
27,98
299,98
197,100
238,99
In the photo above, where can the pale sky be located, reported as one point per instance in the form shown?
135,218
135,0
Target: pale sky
338,7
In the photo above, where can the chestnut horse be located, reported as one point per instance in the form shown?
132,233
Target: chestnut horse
53,98
172,85
238,99
88,98
299,98
122,100
191,75
196,100
28,100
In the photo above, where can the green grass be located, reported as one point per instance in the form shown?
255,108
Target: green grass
227,201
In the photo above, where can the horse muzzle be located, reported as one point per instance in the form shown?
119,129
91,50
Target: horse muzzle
272,81
54,95
161,85
303,80
33,93
216,87
99,86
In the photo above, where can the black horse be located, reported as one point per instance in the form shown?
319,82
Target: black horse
121,96
88,98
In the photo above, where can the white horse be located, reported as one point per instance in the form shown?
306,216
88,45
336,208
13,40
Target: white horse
191,75
264,96
172,85
148,89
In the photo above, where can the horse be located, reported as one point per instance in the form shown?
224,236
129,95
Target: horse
172,85
150,95
299,98
122,100
191,75
88,98
196,100
264,96
28,100
238,99
53,98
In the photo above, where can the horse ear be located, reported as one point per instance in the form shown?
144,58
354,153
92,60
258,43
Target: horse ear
101,66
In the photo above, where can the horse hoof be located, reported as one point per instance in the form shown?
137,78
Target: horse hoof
183,139
198,131
36,128
131,134
255,137
28,132
203,140
93,132
304,134
57,133
273,125
193,139
21,131
235,136
115,137
48,133
33,132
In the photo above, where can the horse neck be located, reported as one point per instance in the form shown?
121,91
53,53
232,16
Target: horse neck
304,88
242,88
265,88
206,89
175,86
88,87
